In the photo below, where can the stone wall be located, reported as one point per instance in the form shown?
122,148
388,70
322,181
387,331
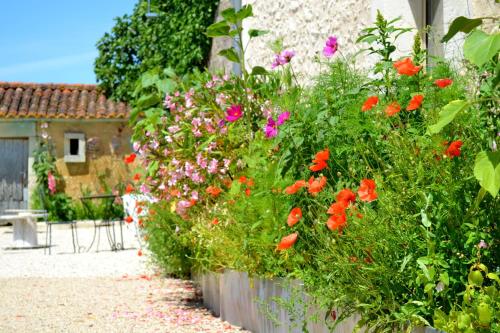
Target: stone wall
106,145
306,24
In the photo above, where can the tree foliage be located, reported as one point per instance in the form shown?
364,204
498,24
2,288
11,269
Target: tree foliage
174,38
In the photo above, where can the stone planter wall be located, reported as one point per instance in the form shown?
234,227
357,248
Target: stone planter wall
243,301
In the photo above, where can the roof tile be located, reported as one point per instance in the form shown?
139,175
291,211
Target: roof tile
52,100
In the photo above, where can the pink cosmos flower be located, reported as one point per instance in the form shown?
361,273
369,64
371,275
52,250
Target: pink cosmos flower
271,128
284,116
330,47
212,166
51,182
234,112
283,58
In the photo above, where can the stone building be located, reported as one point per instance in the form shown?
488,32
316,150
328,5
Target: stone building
89,134
304,26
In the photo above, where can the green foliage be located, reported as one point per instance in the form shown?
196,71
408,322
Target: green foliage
137,44
399,259
480,47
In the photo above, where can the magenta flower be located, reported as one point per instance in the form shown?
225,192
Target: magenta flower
330,47
234,112
283,58
282,117
271,128
51,183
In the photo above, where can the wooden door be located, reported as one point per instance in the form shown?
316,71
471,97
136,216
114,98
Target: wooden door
13,173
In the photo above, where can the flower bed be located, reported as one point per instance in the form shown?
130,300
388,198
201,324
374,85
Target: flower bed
377,190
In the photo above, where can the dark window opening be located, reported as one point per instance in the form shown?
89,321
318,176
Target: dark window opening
73,146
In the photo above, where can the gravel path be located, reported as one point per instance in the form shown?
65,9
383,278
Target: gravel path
94,291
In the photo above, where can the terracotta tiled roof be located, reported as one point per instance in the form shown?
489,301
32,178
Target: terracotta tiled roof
52,100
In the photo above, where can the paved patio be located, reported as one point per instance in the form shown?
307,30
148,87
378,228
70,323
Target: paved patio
93,291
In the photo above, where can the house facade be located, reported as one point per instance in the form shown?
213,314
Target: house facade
89,135
305,25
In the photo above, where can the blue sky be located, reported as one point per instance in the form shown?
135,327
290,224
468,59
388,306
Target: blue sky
54,40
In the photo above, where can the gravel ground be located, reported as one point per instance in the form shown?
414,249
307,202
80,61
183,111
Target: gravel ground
94,291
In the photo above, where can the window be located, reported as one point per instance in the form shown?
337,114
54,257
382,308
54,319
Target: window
74,147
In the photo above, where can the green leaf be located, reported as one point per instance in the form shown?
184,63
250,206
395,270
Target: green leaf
229,15
487,171
148,79
244,12
425,220
479,47
218,29
235,188
169,72
447,114
258,70
165,85
443,277
424,269
493,276
230,54
147,101
369,38
256,33
461,24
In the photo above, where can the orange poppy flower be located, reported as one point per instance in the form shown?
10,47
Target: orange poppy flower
453,149
320,165
392,109
337,208
242,179
294,216
369,103
323,155
139,210
213,191
316,185
250,182
140,223
247,192
415,102
129,219
443,83
347,196
129,189
287,241
130,159
406,67
366,190
336,222
292,189
215,221
139,253
137,177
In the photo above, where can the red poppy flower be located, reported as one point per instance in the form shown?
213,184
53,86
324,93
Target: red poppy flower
287,241
242,179
320,165
336,222
139,253
137,177
369,103
323,155
215,221
213,191
443,83
337,208
292,189
130,159
392,109
129,189
247,192
294,216
316,185
139,210
140,223
453,149
415,102
347,196
359,215
129,219
406,67
250,182
366,190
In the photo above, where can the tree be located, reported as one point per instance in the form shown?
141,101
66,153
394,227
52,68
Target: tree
175,38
